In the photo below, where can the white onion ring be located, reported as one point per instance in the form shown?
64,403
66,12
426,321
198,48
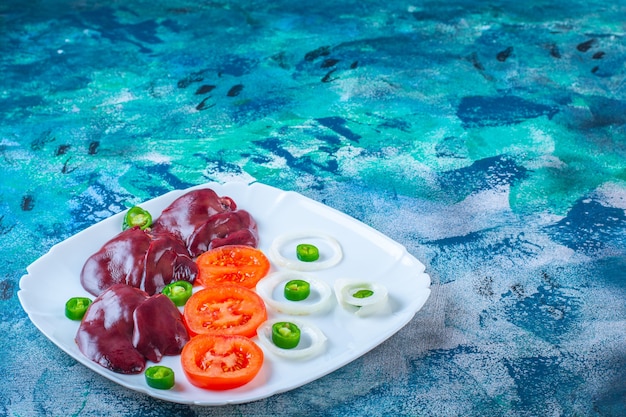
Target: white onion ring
376,303
318,299
324,262
312,340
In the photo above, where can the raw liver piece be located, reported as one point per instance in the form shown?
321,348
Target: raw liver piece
124,326
229,228
204,220
120,260
190,210
105,333
159,330
140,259
167,260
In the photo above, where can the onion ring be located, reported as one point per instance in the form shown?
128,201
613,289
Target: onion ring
312,340
326,260
376,302
317,301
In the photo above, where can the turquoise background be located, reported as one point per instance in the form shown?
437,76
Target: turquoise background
488,137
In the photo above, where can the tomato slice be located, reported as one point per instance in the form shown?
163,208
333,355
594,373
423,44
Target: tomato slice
220,362
224,309
232,264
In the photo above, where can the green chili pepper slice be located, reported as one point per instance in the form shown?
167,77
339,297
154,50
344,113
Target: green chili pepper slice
160,377
285,335
76,307
297,290
307,252
179,292
363,294
136,216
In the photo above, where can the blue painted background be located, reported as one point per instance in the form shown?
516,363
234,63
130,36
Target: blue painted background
486,136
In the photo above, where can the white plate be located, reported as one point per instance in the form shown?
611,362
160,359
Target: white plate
367,255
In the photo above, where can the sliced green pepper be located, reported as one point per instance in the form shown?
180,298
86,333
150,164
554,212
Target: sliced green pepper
307,252
76,307
363,294
160,377
136,216
179,292
297,290
285,335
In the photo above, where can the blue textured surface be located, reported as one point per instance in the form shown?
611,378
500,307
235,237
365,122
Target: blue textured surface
486,137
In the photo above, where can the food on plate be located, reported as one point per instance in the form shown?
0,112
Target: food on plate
159,329
307,252
311,343
179,292
105,335
204,220
228,228
297,290
109,345
284,251
285,334
138,258
76,307
137,217
224,309
274,289
221,362
130,321
363,298
124,326
160,377
232,264
150,255
363,293
191,209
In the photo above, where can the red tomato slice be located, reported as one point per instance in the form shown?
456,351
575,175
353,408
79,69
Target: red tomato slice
224,309
232,264
220,362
